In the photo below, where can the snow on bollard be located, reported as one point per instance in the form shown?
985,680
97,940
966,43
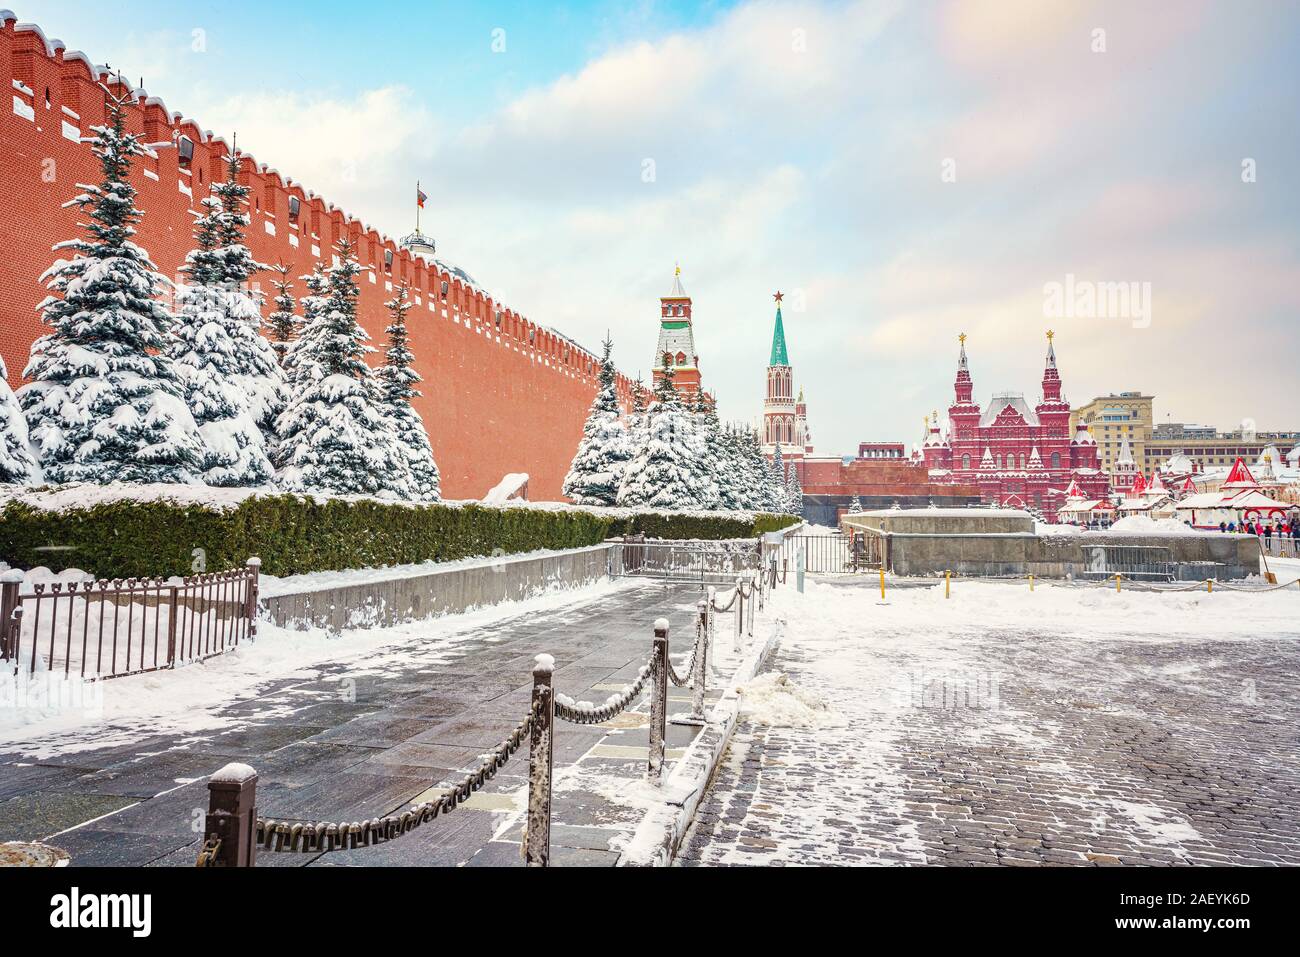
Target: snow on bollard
229,838
537,836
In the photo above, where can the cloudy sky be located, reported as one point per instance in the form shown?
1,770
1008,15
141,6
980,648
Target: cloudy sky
903,171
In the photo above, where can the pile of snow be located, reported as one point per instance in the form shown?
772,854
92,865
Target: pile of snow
511,488
1044,528
817,530
1142,525
775,700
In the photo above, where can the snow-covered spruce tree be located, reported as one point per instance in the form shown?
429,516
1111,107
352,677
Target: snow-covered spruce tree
397,381
664,471
210,347
17,464
856,505
755,470
103,402
298,364
704,445
283,320
778,490
731,472
794,490
261,375
334,436
597,470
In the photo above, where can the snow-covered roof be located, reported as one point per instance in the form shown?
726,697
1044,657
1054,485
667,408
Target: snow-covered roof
675,341
999,403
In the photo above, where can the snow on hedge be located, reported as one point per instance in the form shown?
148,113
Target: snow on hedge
85,496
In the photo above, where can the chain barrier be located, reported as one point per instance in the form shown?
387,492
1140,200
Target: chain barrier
311,837
1130,584
676,678
209,854
735,593
232,817
566,709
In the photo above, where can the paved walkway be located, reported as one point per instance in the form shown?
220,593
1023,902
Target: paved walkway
1005,745
407,730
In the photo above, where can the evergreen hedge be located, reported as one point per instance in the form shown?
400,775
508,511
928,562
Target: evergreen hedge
294,535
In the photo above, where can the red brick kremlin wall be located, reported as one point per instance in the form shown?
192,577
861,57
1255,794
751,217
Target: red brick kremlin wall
501,394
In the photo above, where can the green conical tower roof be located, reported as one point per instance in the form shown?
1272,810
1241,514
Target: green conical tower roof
779,356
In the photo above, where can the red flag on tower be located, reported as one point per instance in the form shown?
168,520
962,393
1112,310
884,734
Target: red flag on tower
420,196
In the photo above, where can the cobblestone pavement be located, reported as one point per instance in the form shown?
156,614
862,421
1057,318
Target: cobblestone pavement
407,728
1007,745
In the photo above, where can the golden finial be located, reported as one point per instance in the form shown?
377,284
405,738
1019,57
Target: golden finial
679,268
962,338
1050,335
927,423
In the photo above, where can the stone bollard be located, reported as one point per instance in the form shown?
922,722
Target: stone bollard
658,705
232,817
541,764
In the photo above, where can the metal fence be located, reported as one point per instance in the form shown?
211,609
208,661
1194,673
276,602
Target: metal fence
1278,546
234,834
836,554
1142,562
112,629
702,563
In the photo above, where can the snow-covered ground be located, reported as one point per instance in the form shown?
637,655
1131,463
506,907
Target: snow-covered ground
40,719
1004,724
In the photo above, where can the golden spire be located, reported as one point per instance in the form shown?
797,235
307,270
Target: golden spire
1050,335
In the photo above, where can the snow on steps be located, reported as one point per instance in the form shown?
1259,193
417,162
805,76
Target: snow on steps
659,836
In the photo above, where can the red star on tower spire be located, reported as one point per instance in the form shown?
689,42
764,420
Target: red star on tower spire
779,296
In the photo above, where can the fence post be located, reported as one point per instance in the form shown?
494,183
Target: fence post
10,584
251,596
173,608
537,839
232,817
753,588
658,704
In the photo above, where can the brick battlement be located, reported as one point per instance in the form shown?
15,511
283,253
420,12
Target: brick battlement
503,394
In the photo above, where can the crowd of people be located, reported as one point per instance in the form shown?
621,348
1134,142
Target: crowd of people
1281,529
